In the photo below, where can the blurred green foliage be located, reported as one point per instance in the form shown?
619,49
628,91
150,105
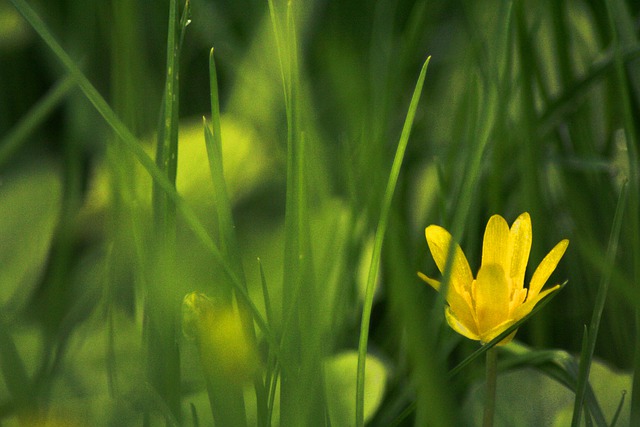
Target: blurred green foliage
527,106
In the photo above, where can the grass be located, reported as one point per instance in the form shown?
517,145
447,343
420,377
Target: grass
293,207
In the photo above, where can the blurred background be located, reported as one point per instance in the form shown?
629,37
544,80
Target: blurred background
527,106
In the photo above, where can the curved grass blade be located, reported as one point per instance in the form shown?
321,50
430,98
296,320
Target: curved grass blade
132,144
379,237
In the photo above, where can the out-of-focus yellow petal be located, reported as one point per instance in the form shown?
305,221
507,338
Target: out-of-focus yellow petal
526,308
226,351
491,295
520,237
459,326
495,246
545,268
439,240
435,284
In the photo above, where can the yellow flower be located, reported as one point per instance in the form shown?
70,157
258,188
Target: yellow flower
226,352
484,307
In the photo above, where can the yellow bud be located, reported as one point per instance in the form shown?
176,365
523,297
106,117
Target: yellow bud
224,346
195,307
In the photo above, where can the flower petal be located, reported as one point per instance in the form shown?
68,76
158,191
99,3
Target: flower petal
520,237
439,240
495,244
491,295
545,268
526,308
460,303
489,336
459,326
435,284
517,299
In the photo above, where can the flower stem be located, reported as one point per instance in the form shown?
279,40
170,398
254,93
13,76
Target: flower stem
490,395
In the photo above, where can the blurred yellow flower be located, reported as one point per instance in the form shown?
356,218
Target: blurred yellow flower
225,349
484,307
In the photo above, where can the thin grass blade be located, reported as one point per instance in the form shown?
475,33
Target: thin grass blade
616,416
479,352
34,117
162,303
226,226
379,237
603,288
132,144
14,371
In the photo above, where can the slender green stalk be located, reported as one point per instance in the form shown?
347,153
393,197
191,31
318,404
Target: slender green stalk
377,248
34,117
492,381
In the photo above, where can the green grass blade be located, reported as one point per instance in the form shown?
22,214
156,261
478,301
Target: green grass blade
129,140
584,355
299,334
213,140
162,303
132,144
279,41
238,286
265,293
603,288
194,415
226,227
379,237
565,103
616,416
14,372
167,150
479,352
233,412
36,115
